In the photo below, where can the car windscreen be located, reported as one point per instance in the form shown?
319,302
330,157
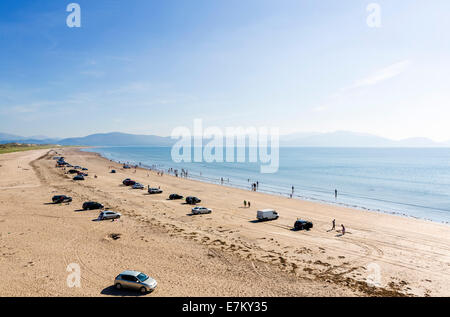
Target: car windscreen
142,277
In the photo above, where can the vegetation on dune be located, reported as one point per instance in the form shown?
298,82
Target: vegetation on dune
18,147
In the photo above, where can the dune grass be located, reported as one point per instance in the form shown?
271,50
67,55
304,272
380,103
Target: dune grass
17,147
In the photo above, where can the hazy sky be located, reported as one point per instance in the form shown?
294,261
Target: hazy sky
148,66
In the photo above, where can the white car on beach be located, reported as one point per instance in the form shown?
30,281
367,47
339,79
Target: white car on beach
267,214
201,210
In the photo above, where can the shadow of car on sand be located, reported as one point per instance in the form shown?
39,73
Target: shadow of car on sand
112,291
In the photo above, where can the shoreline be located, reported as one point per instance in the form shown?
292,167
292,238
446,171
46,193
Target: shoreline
213,181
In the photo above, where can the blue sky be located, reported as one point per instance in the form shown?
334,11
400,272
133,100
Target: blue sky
145,66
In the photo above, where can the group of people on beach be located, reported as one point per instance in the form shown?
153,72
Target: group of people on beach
246,204
333,223
176,173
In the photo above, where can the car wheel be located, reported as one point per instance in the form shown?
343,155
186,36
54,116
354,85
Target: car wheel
118,286
143,290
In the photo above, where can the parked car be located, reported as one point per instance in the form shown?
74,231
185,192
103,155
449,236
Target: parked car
58,199
108,214
201,210
78,178
113,171
138,186
77,167
128,182
175,196
127,166
192,200
154,191
84,169
92,205
135,280
82,174
72,171
266,214
302,225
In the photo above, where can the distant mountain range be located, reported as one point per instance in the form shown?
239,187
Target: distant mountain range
38,139
331,139
352,139
119,139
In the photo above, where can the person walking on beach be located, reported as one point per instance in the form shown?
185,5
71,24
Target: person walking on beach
343,229
245,203
248,204
333,225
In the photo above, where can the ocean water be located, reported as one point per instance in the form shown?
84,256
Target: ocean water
406,181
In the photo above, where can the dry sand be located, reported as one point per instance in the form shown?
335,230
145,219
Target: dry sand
225,253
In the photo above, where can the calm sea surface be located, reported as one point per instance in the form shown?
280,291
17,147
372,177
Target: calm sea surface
410,182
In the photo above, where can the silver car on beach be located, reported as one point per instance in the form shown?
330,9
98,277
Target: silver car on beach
201,210
135,280
138,186
108,214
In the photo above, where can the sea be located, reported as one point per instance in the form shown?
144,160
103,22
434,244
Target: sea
411,182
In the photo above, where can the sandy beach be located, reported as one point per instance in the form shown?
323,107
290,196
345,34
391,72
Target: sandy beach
226,253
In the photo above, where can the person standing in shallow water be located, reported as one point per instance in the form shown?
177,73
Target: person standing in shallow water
335,193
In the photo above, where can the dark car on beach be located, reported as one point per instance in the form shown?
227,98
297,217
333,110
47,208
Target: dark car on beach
128,182
303,225
59,199
92,205
78,178
113,171
72,171
192,200
175,196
